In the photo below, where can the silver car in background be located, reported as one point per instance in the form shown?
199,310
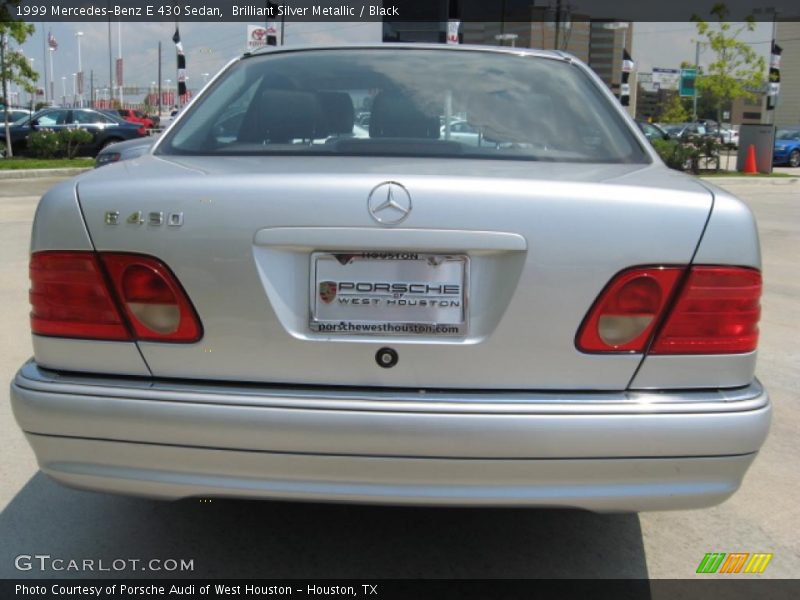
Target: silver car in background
267,305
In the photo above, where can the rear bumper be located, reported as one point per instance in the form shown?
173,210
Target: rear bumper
623,451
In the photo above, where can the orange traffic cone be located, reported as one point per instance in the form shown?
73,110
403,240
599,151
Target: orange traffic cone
750,163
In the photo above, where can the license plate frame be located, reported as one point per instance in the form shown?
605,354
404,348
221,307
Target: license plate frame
440,280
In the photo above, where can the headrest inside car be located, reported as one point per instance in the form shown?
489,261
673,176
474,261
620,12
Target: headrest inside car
338,110
397,116
281,116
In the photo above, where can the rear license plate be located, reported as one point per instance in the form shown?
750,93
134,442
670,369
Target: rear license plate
389,293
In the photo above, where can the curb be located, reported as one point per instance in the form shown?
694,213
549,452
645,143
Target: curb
40,173
752,180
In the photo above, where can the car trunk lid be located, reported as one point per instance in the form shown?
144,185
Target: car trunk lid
537,241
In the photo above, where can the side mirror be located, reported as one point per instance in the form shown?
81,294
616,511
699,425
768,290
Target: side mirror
34,125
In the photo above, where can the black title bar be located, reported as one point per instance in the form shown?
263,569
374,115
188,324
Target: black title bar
383,589
256,11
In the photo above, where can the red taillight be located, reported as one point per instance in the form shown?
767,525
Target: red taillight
71,297
142,130
624,316
153,300
717,312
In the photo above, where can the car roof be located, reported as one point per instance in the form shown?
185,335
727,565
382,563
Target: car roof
551,54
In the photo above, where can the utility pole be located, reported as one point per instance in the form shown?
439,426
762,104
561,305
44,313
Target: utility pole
91,88
771,113
558,24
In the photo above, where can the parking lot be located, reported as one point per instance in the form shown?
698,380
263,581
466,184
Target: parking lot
229,538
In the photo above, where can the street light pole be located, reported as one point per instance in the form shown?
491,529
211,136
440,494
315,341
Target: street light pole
52,79
79,35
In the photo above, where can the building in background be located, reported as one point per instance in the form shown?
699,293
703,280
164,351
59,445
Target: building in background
787,112
574,32
749,111
522,24
607,39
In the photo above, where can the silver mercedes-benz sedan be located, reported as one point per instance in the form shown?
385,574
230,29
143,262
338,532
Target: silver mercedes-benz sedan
267,305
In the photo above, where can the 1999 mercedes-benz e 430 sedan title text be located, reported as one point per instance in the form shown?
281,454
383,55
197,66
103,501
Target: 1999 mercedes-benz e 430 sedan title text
317,286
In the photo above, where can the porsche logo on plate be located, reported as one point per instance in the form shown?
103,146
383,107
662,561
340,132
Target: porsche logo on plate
327,291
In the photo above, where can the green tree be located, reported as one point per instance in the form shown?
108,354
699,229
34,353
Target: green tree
14,67
674,111
736,70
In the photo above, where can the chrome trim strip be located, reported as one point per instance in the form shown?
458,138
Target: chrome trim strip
749,398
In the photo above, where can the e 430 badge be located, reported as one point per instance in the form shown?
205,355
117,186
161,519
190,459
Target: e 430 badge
154,218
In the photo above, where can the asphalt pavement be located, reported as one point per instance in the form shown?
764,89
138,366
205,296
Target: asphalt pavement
231,538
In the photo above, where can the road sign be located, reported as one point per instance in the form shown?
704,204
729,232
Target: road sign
688,78
666,79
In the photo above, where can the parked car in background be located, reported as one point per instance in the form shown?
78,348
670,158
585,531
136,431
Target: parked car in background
787,147
136,116
652,131
121,151
685,131
362,119
14,114
711,126
104,128
555,319
729,136
461,131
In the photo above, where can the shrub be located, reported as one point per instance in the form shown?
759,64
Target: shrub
44,144
676,155
688,155
71,140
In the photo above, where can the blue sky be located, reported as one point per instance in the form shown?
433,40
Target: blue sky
210,45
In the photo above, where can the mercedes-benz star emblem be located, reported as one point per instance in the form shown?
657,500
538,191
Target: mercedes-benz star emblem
389,203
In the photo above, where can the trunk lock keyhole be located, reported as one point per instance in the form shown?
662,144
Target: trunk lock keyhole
386,358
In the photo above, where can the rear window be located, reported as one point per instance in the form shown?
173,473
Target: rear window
383,102
789,134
